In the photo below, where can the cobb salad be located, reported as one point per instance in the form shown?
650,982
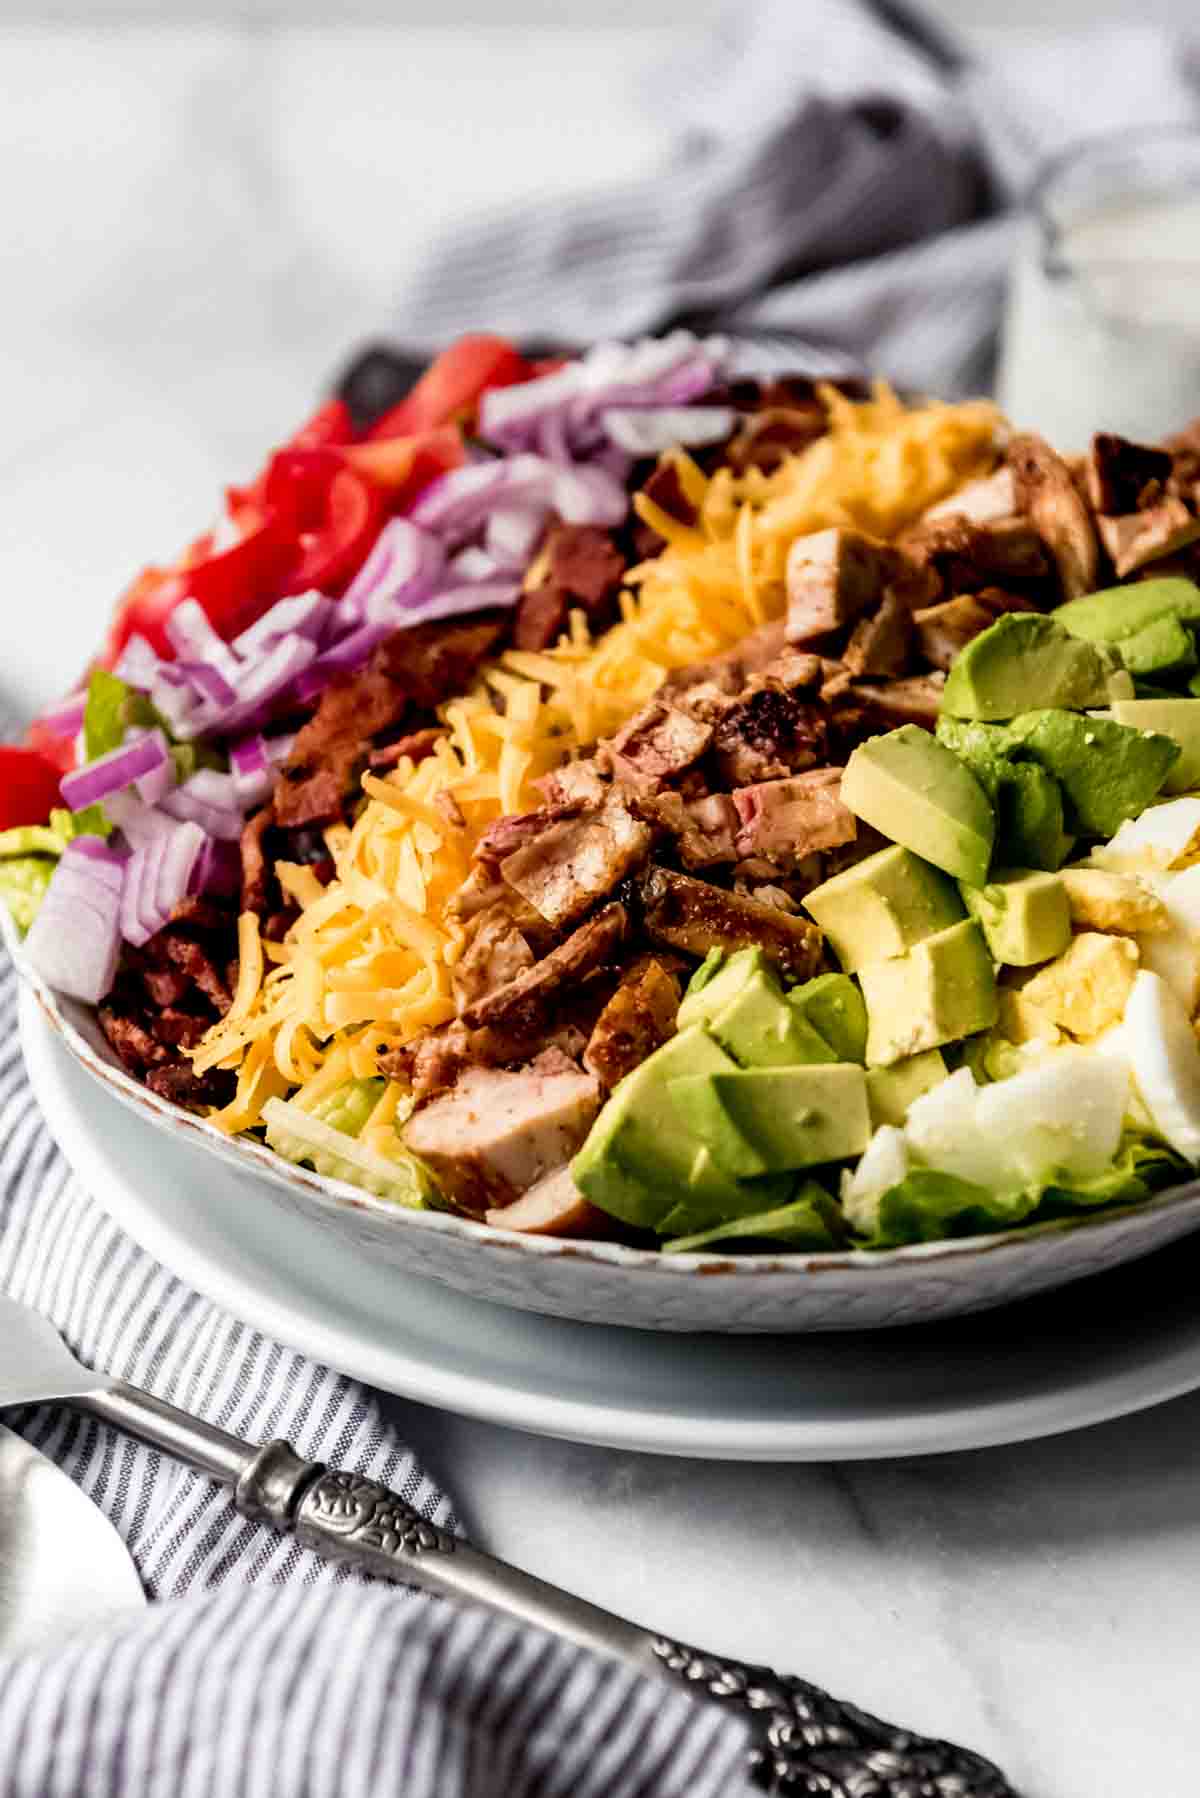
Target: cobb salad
614,796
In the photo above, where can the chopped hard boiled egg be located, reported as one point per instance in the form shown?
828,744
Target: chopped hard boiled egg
1066,1113
1175,953
1166,1059
942,1128
1162,837
1101,900
1084,990
883,1164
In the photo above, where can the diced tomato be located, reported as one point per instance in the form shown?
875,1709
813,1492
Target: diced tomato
329,425
235,586
402,466
452,385
59,751
334,512
28,786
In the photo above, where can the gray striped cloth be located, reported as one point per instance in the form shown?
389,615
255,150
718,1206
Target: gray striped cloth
838,192
262,1669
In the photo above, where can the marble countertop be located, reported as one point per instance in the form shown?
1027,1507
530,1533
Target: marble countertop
196,227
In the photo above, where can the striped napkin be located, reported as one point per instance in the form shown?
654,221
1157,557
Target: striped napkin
262,1668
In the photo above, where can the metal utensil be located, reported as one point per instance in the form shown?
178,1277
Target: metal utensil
63,1567
804,1740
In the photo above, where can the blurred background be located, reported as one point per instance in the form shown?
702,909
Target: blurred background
206,207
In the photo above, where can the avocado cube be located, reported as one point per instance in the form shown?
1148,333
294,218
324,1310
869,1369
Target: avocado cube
940,991
882,906
915,791
1024,913
715,982
1178,719
1021,661
1163,645
1027,800
835,1008
811,1219
1107,771
761,1030
640,1157
779,1118
1116,613
890,1091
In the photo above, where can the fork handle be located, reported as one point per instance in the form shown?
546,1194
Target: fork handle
802,1740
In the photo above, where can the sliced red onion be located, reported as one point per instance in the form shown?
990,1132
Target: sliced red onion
75,939
279,748
138,823
350,652
193,639
128,765
210,800
478,596
66,718
585,494
181,851
405,562
138,664
139,911
512,534
471,564
262,680
250,770
218,869
310,614
176,700
209,682
650,431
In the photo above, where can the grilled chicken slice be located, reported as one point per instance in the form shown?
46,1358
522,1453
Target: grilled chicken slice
499,1131
1046,492
570,865
554,1207
688,914
638,1018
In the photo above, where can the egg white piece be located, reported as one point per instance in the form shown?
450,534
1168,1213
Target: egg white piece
883,1164
1158,838
1166,1061
943,1129
1174,954
1065,1113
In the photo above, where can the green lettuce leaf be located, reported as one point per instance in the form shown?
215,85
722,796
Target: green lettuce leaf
23,883
349,1106
309,1141
112,707
812,1220
927,1206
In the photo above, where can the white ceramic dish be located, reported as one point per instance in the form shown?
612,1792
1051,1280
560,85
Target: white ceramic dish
1104,1347
600,1282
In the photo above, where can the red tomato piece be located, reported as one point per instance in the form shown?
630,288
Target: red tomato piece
402,466
334,511
452,385
330,425
58,751
28,786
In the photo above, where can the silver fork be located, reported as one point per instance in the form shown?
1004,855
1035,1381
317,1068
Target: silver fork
804,1741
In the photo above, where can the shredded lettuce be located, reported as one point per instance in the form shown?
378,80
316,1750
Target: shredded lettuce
927,1205
308,1141
114,707
812,1220
23,883
348,1107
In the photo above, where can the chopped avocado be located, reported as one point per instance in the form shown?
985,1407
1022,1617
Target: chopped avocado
940,991
1023,659
641,1159
716,981
917,792
1163,645
834,1007
1178,719
1107,771
1027,800
890,1091
778,1118
23,883
1120,612
1024,914
761,1030
812,1220
882,906
743,1007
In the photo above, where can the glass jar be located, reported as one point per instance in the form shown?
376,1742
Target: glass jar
1103,323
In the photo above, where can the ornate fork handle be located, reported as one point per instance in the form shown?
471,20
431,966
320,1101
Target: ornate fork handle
804,1741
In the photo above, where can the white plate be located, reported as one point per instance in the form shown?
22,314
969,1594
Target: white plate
1110,1345
607,1282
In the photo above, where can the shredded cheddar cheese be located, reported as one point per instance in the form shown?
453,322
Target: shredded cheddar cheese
368,964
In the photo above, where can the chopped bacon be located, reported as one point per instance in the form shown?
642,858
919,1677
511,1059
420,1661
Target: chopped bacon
582,568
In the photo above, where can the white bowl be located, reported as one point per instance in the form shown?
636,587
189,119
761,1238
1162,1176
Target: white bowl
604,1282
